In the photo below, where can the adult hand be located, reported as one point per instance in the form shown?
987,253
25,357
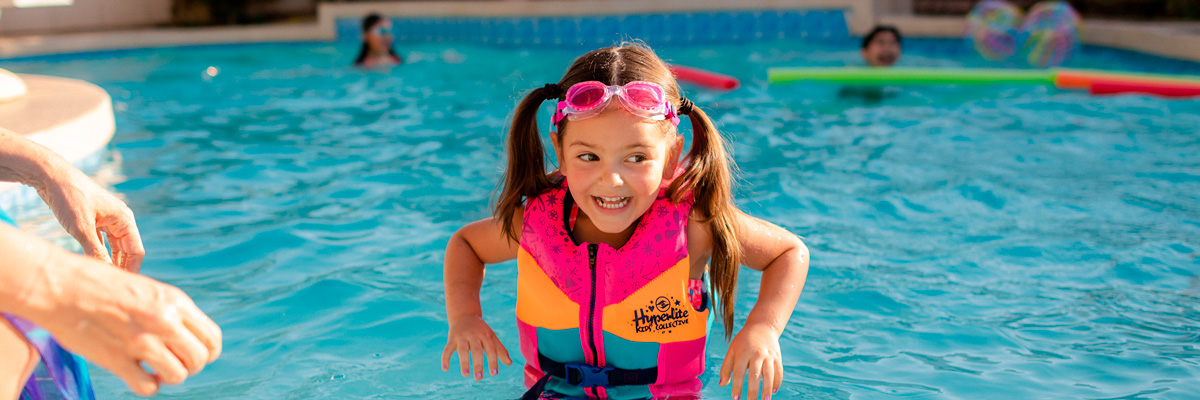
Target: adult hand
87,211
754,354
118,320
472,335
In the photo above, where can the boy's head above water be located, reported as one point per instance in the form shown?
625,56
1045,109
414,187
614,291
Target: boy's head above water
881,46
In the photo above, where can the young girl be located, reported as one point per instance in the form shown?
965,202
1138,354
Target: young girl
376,47
614,248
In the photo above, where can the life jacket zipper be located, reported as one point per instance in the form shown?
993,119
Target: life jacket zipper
592,249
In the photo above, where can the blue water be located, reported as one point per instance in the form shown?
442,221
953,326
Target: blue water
967,242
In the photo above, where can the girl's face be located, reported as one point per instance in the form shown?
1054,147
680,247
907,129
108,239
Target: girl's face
615,164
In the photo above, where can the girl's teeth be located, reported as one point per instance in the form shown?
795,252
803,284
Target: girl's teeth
612,202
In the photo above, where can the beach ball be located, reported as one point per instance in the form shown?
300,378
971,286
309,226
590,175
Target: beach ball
992,29
1051,32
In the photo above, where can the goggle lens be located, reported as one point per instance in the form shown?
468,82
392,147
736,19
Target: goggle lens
588,96
644,96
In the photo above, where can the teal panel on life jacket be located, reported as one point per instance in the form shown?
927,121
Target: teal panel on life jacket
560,345
626,354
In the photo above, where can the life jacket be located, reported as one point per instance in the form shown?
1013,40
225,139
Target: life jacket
604,323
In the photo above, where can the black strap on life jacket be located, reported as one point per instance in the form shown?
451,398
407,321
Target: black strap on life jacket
588,376
584,375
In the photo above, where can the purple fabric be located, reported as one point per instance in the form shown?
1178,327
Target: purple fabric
68,371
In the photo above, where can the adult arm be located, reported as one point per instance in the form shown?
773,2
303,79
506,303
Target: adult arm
115,318
83,208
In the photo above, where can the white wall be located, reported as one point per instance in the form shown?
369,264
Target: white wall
85,15
893,7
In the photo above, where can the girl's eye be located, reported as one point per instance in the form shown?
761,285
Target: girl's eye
636,158
588,157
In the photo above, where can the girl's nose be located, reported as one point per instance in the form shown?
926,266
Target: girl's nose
614,179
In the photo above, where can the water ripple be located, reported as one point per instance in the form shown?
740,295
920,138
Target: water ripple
968,242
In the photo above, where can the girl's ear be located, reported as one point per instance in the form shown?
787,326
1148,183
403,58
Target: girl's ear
673,153
554,136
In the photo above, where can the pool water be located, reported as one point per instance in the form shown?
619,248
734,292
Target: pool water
967,242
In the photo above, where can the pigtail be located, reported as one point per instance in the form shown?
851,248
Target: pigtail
708,177
526,175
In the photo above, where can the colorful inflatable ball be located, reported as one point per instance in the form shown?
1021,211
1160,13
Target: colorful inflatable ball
992,29
1051,32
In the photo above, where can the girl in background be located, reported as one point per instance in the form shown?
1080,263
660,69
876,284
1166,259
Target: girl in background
376,47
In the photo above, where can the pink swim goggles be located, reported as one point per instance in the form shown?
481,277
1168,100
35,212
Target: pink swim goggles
589,99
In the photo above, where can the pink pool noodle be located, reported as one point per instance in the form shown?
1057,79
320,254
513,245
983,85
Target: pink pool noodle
704,78
1111,86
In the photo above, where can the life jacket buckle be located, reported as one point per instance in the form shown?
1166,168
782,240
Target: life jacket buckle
586,375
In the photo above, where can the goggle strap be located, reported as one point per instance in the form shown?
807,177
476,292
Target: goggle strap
558,113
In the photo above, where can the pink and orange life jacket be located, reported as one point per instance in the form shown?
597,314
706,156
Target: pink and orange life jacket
605,323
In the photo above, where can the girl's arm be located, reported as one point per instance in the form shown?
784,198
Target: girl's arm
473,246
783,260
470,248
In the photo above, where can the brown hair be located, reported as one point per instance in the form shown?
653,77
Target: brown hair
707,175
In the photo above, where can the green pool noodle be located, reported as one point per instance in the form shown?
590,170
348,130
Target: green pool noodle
902,75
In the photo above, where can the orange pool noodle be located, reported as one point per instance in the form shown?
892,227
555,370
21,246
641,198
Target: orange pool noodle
1083,79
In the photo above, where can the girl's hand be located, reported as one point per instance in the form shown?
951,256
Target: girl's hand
471,335
755,350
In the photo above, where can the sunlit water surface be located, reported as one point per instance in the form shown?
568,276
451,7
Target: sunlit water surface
967,242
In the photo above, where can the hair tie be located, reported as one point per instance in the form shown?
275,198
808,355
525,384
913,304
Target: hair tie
552,91
685,106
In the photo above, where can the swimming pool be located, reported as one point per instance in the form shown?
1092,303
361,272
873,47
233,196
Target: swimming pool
995,242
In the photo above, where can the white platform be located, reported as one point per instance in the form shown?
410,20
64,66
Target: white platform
71,117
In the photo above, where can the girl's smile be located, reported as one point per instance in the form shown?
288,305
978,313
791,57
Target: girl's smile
611,203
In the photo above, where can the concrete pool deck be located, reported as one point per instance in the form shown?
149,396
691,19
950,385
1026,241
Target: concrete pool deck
75,118
70,116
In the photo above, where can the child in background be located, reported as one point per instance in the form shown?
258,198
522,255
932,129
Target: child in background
616,250
881,46
376,50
